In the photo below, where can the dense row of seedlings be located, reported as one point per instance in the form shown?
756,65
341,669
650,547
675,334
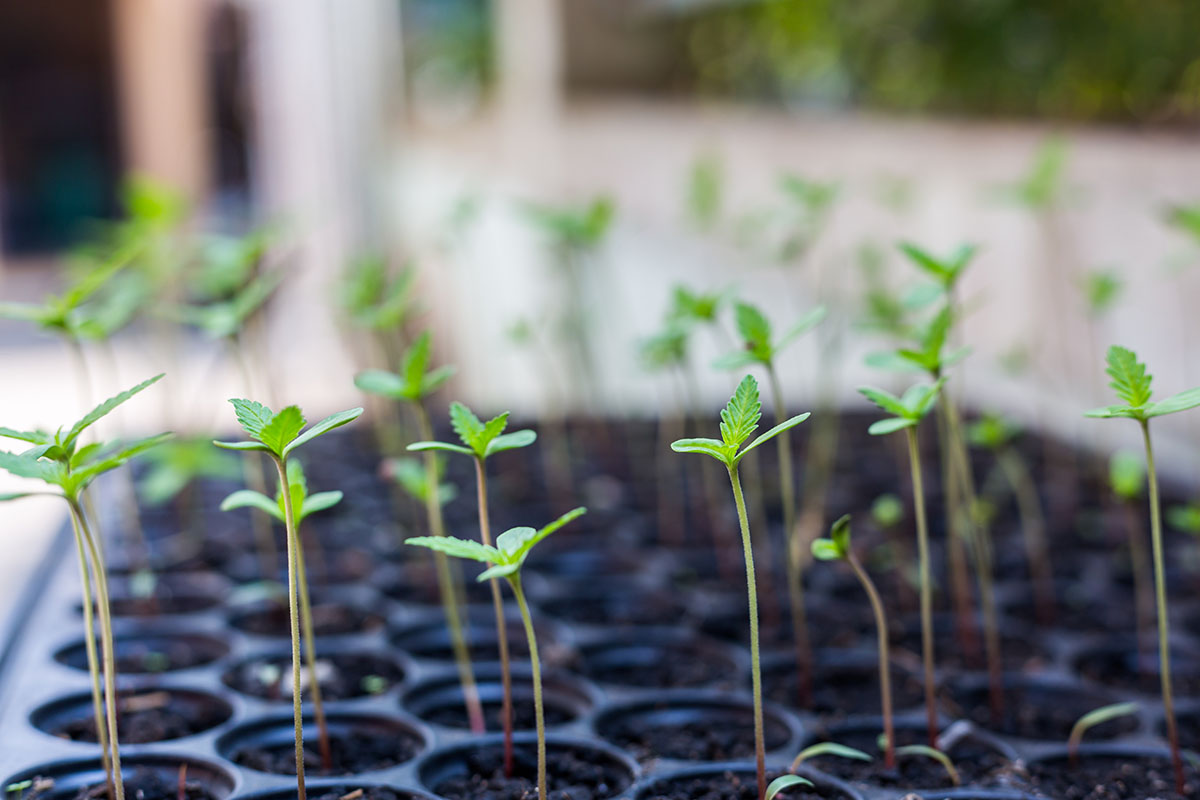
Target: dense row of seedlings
379,303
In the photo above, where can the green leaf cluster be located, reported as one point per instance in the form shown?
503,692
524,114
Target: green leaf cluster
574,228
739,419
303,504
908,410
280,433
479,439
507,556
374,298
946,272
928,352
1131,383
1101,289
837,546
410,474
992,432
758,344
415,380
225,318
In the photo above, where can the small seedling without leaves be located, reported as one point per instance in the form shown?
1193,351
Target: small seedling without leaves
908,411
505,560
481,440
739,420
60,461
278,435
1131,383
837,548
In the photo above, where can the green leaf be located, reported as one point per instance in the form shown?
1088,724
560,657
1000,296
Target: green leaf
802,326
259,446
511,441
890,425
245,498
925,751
710,447
738,359
381,382
467,426
417,447
516,543
884,400
892,361
787,424
1178,402
434,379
754,329
498,571
282,429
1097,717
740,416
829,749
512,540
33,437
826,550
1129,378
121,455
783,783
100,411
416,359
459,548
839,533
1112,412
323,427
252,416
319,502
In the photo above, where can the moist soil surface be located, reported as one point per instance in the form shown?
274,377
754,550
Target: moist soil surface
342,675
1032,712
721,738
153,655
841,692
729,786
357,793
154,716
671,667
350,753
1110,778
142,784
1119,669
329,619
572,774
454,715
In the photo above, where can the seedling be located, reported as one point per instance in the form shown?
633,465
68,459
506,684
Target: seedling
837,548
808,206
1092,719
828,749
1132,386
909,410
505,561
279,435
739,420
481,440
1127,479
412,385
783,783
928,751
997,435
379,300
60,461
760,347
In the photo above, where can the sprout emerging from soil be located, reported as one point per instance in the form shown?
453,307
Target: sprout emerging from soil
1131,383
1090,720
837,548
279,434
739,420
61,461
505,561
480,440
909,410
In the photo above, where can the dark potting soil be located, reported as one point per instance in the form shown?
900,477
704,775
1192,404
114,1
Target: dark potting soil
1188,724
618,610
1119,668
154,716
151,654
670,666
359,793
977,763
454,715
1101,777
342,676
728,737
841,691
158,604
350,752
1021,652
1047,713
572,774
329,619
141,784
729,786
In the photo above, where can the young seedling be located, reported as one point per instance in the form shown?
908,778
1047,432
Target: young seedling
739,420
828,749
379,300
997,435
278,435
505,560
479,441
837,548
413,385
1090,720
931,752
704,192
760,347
1132,386
908,411
60,461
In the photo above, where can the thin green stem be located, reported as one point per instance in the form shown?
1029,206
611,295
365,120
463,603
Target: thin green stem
293,545
914,463
535,668
794,561
252,472
760,749
446,581
885,672
107,650
960,583
1160,596
485,534
310,659
1033,526
89,642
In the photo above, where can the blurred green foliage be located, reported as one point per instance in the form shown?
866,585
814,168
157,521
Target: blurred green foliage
1075,59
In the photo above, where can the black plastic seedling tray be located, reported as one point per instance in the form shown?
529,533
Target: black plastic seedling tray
36,685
